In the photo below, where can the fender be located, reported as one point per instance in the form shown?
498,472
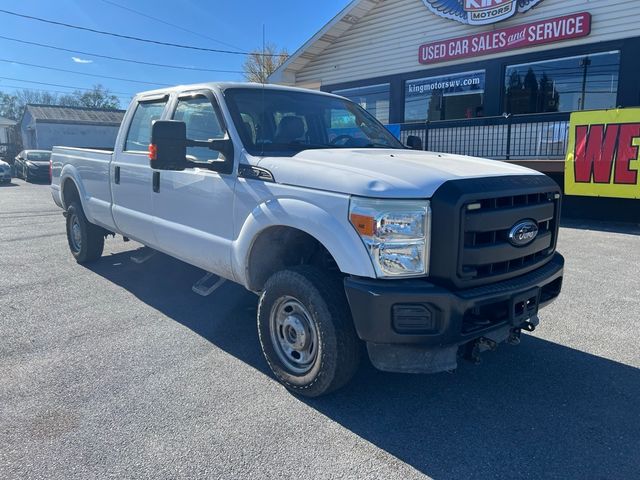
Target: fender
335,234
70,172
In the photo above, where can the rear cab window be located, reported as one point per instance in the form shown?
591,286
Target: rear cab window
39,156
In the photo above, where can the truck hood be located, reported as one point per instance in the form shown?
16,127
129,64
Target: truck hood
384,173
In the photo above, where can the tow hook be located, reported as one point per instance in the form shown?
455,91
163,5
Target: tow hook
531,325
474,349
514,337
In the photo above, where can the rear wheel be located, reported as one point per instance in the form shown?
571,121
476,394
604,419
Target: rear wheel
306,332
86,240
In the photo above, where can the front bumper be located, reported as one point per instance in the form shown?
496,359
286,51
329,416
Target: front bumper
455,317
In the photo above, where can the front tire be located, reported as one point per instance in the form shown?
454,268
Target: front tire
86,240
306,331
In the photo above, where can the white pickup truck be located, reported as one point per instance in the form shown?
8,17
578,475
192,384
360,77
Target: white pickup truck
350,238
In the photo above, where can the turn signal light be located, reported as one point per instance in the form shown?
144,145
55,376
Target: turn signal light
153,151
364,224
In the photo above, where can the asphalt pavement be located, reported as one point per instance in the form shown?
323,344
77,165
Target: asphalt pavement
118,370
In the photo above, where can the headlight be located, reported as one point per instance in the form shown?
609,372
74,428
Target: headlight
396,234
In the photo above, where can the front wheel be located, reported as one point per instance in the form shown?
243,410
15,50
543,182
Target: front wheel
86,240
306,332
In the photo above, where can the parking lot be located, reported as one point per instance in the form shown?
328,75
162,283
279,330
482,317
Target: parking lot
119,370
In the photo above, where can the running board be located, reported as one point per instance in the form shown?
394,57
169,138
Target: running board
208,284
142,255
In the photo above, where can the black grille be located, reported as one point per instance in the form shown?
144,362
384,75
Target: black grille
469,247
486,251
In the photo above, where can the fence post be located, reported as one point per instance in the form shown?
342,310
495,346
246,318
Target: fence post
507,117
426,135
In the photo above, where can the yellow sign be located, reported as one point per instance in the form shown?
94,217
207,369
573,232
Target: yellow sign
602,154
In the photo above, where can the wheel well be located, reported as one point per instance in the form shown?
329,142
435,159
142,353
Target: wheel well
69,192
279,247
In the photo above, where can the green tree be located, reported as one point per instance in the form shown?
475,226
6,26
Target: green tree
97,97
9,107
259,65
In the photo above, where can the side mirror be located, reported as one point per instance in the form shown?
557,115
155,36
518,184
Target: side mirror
414,142
168,148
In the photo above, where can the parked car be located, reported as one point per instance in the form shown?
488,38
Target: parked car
5,172
32,165
348,237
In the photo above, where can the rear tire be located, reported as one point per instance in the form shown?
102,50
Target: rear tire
86,240
306,331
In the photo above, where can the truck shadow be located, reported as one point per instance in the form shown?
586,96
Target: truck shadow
540,410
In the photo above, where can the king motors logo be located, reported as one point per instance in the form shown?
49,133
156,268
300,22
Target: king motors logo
479,12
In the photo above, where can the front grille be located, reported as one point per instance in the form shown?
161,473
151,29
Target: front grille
486,251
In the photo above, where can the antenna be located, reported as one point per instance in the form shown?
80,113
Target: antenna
264,79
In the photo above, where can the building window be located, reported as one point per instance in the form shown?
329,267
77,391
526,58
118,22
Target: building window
446,97
374,99
586,82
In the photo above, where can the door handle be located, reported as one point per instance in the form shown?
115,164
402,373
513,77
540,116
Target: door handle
116,175
156,181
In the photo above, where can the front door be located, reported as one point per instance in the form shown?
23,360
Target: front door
132,176
194,208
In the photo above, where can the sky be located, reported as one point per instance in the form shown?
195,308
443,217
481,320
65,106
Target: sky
235,25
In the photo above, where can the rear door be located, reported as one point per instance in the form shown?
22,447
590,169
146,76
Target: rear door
131,175
194,208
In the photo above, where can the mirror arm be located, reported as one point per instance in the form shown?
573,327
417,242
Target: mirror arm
225,146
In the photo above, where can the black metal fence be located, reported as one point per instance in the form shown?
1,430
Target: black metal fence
508,137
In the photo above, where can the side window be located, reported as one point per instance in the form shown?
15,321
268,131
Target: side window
139,133
202,124
342,118
342,122
290,127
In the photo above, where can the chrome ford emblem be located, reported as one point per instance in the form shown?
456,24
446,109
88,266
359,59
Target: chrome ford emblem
523,233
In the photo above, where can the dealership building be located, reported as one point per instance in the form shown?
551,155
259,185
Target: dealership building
493,78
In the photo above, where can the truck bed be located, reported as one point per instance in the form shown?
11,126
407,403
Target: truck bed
90,167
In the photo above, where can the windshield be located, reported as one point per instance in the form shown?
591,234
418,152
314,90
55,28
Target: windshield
280,121
39,156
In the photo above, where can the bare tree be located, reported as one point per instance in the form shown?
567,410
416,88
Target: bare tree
258,66
36,96
13,105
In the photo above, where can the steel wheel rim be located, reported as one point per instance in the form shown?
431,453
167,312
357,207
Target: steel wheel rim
75,234
294,335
